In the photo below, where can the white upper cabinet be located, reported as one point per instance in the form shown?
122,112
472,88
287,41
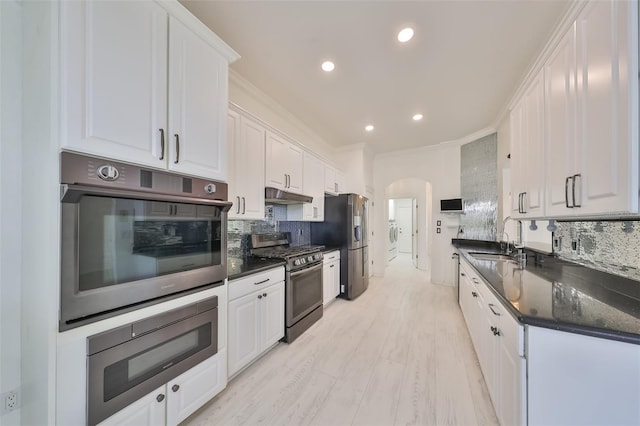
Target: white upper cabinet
313,185
334,180
559,119
129,86
527,152
592,114
283,164
246,140
197,105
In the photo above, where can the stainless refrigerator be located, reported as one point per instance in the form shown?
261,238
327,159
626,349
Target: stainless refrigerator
345,228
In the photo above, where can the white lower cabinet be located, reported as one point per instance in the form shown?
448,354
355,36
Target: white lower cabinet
256,316
580,380
499,343
172,403
330,277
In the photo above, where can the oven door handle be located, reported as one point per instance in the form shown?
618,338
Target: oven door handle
313,268
73,194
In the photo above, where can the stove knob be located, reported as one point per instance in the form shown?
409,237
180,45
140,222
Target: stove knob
296,262
311,258
303,260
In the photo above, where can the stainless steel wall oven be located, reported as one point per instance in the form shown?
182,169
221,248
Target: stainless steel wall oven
128,362
133,237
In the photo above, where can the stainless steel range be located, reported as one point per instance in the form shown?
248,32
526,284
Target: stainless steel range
303,279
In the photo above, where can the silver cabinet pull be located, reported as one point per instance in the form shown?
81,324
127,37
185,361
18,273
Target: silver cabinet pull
335,187
262,282
238,205
160,397
175,388
491,305
244,205
566,192
161,144
177,148
573,189
524,197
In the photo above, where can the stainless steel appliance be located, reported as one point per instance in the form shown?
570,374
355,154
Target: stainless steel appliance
303,279
345,227
128,362
133,236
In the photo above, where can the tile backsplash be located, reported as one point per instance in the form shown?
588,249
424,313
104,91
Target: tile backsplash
609,246
239,231
479,188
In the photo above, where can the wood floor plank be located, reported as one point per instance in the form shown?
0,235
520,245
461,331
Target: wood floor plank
380,398
340,406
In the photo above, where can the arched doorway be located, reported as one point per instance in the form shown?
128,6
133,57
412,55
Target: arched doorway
409,207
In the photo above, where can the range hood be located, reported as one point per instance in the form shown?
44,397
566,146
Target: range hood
278,196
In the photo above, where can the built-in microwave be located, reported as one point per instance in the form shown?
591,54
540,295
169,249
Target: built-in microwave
133,236
128,362
452,205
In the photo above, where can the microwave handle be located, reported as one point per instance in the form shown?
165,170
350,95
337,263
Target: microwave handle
73,193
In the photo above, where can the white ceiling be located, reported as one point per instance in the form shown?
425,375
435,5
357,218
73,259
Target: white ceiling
460,69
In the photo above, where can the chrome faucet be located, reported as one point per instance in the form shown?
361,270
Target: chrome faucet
519,245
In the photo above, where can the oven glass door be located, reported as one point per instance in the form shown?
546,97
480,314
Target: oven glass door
122,240
304,293
118,252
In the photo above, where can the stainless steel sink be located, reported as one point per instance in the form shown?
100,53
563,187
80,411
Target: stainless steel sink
492,256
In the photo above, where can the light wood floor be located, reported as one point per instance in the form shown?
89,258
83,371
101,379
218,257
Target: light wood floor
399,354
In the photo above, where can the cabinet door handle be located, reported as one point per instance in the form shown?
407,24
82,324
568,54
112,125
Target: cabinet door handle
463,274
566,192
259,296
175,388
491,305
161,144
238,205
474,294
475,280
573,189
160,397
524,199
177,148
264,294
335,187
244,204
262,282
331,266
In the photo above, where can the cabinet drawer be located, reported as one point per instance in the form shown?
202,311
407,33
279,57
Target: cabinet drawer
243,286
331,256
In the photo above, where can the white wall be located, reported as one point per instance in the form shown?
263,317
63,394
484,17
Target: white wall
40,211
10,191
440,166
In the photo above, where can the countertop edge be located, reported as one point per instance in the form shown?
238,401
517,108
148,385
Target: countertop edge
256,270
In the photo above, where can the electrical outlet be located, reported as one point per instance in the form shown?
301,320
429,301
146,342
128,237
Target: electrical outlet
11,401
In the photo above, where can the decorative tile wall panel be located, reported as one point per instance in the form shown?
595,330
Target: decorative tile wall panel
609,246
479,188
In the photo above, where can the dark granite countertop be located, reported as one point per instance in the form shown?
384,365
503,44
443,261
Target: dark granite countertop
329,249
561,295
238,267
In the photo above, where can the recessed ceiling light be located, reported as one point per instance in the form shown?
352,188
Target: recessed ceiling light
405,35
328,66
417,117
368,127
